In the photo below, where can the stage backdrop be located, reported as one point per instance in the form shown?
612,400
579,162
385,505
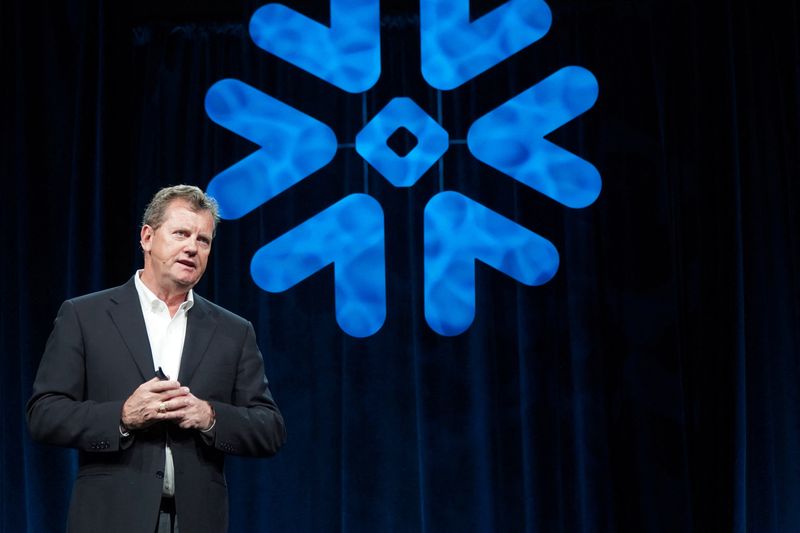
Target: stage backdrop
651,385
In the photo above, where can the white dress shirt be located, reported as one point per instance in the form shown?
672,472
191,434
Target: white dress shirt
166,334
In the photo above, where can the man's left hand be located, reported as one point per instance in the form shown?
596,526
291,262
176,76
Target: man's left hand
193,412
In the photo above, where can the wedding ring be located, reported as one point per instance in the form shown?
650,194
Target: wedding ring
162,407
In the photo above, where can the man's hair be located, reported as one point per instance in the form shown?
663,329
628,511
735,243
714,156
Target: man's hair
155,211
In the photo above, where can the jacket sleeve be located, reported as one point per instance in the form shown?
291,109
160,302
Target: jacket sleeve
251,425
58,412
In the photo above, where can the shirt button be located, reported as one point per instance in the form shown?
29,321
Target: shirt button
160,474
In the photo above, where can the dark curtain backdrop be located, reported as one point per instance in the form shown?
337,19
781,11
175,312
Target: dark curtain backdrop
650,386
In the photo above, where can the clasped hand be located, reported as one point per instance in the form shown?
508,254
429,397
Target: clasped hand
157,400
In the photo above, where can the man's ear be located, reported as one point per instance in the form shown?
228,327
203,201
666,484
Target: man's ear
146,237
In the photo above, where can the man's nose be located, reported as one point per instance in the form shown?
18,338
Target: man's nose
191,246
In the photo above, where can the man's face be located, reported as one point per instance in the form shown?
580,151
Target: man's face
176,253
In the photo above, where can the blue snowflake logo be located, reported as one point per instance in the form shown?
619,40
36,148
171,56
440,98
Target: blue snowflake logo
457,230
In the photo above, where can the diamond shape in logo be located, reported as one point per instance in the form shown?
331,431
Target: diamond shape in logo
402,112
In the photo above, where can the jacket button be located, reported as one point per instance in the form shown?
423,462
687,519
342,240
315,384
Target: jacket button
160,474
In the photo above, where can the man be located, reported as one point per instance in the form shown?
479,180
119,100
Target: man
154,385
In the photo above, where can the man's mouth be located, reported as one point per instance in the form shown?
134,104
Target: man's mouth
187,263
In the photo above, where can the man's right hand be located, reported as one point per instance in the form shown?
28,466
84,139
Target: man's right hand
150,403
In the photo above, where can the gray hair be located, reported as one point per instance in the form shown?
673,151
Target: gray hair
155,212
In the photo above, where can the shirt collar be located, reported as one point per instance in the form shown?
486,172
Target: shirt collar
150,301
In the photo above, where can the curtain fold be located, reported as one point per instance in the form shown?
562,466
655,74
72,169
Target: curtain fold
650,386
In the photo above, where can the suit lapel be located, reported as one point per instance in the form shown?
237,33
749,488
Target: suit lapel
126,313
200,328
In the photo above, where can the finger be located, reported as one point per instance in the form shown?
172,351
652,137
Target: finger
162,386
167,407
169,415
176,404
147,385
182,413
173,393
191,420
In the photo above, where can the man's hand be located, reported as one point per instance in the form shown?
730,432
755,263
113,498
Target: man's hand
192,412
153,401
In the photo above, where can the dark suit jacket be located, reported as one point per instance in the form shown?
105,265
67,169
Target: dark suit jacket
97,354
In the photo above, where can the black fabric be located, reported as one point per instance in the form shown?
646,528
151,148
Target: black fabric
650,386
167,519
